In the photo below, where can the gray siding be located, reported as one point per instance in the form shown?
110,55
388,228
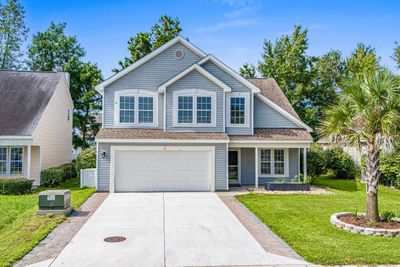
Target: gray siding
104,164
267,117
195,80
236,87
248,167
148,77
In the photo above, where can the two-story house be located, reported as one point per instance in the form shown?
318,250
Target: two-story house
181,120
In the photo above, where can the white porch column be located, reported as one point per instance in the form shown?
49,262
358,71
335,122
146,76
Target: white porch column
256,168
28,163
305,163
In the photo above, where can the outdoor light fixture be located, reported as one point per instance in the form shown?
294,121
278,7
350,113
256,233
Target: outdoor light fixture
103,154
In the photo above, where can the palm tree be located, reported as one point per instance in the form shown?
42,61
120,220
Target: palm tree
368,109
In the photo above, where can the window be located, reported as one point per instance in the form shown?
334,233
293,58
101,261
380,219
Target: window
265,161
273,162
237,110
194,108
134,108
145,109
126,109
11,161
3,160
203,109
185,109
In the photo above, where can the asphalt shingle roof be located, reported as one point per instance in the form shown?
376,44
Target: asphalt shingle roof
24,96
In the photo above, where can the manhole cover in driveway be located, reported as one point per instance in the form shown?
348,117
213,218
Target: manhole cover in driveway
114,239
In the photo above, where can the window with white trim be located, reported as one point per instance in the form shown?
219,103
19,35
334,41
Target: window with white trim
11,161
135,108
273,162
194,108
238,109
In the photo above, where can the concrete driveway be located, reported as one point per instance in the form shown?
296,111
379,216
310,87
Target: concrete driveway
166,229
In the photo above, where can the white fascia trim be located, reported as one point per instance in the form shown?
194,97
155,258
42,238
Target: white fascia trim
162,88
284,113
100,87
233,73
106,140
270,142
16,137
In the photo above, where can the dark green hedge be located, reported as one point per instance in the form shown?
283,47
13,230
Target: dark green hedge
17,186
55,176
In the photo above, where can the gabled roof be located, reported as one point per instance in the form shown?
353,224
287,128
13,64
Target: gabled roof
23,98
162,88
230,71
179,39
272,95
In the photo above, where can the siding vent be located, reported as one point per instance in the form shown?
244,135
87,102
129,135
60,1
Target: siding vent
179,54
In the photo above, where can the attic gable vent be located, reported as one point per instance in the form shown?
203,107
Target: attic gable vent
179,54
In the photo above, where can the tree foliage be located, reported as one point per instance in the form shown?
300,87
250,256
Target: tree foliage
248,70
396,55
53,48
368,109
362,60
143,43
13,32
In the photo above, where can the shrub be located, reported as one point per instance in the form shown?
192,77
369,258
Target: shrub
86,159
17,186
388,216
316,161
341,164
55,176
390,169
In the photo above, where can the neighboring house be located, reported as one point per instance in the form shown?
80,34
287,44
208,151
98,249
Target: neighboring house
35,123
181,120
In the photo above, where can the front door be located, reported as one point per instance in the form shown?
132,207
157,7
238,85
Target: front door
233,166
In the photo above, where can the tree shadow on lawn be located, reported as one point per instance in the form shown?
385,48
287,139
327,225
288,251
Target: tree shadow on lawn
331,182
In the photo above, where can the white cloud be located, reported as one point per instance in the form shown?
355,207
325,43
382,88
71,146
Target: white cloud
228,25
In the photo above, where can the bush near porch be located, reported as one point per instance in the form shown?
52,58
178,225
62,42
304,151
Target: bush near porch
305,226
21,229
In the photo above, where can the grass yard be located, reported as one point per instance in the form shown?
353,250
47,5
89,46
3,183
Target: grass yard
21,229
303,222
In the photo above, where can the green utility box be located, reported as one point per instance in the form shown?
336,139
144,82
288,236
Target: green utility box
54,202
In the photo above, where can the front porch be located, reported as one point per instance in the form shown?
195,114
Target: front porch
252,165
20,161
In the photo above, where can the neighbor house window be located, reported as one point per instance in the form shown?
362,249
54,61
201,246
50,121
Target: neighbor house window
126,109
3,160
145,109
135,108
194,108
11,161
272,162
237,110
185,109
203,109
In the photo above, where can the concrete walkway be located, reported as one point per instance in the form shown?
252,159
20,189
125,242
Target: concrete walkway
166,229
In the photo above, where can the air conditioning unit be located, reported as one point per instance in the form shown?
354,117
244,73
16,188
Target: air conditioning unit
55,202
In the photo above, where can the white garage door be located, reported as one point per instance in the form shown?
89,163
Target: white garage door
162,170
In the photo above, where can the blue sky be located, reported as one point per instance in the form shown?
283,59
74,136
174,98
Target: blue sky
232,30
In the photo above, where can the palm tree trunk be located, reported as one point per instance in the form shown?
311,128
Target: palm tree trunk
373,174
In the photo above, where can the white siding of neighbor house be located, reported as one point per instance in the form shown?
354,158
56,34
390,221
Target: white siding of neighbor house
248,167
53,133
103,168
267,117
195,80
148,76
236,86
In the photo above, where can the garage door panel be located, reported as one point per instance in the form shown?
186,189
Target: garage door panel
163,170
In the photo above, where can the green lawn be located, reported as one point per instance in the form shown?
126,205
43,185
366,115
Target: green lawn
21,229
303,222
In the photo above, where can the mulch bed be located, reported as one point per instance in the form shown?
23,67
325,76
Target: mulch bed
362,221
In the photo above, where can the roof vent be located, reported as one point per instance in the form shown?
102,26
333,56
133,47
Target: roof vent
179,54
